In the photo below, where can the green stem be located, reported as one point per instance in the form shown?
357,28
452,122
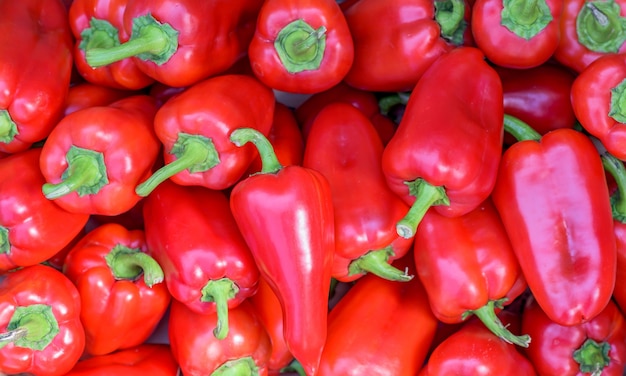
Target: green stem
86,174
600,26
618,102
195,153
220,291
129,263
519,129
242,136
300,47
387,102
294,366
377,263
488,316
8,128
427,195
5,244
617,170
32,326
526,18
593,357
237,367
99,34
450,15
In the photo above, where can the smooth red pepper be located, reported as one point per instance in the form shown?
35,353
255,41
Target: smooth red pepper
553,198
597,347
344,147
39,322
597,95
395,41
120,286
36,59
181,42
32,228
85,95
245,351
468,267
193,236
95,157
301,46
517,34
446,150
194,127
286,217
145,359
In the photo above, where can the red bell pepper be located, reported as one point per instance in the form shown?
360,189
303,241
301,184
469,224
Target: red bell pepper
286,217
146,359
85,94
100,24
446,150
553,198
194,127
301,46
345,148
517,34
193,236
40,327
180,42
379,327
94,158
395,41
120,287
32,228
597,95
590,29
597,347
486,273
245,351
36,59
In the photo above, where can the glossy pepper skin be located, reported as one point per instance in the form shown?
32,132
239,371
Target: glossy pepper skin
194,127
193,236
33,94
344,147
518,34
145,359
553,199
597,347
85,94
32,228
286,216
486,276
393,57
301,46
597,94
245,351
100,24
120,287
447,148
179,43
40,322
94,158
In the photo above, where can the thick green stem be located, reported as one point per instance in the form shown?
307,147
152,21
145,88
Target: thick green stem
149,40
269,161
618,102
99,34
450,15
616,168
300,47
8,128
377,263
220,291
294,366
32,326
129,263
526,18
195,153
600,27
5,245
387,102
487,315
237,367
427,195
593,357
519,129
86,174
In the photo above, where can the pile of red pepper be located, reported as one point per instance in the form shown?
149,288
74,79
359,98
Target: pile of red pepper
265,187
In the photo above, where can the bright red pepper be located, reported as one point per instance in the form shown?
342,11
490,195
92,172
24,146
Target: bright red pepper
597,95
446,150
85,94
517,34
344,147
553,198
286,217
597,347
486,275
194,127
245,351
193,236
146,359
590,29
32,228
181,42
395,41
120,287
301,46
40,322
36,59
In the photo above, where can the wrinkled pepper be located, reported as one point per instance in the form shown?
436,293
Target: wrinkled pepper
286,216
